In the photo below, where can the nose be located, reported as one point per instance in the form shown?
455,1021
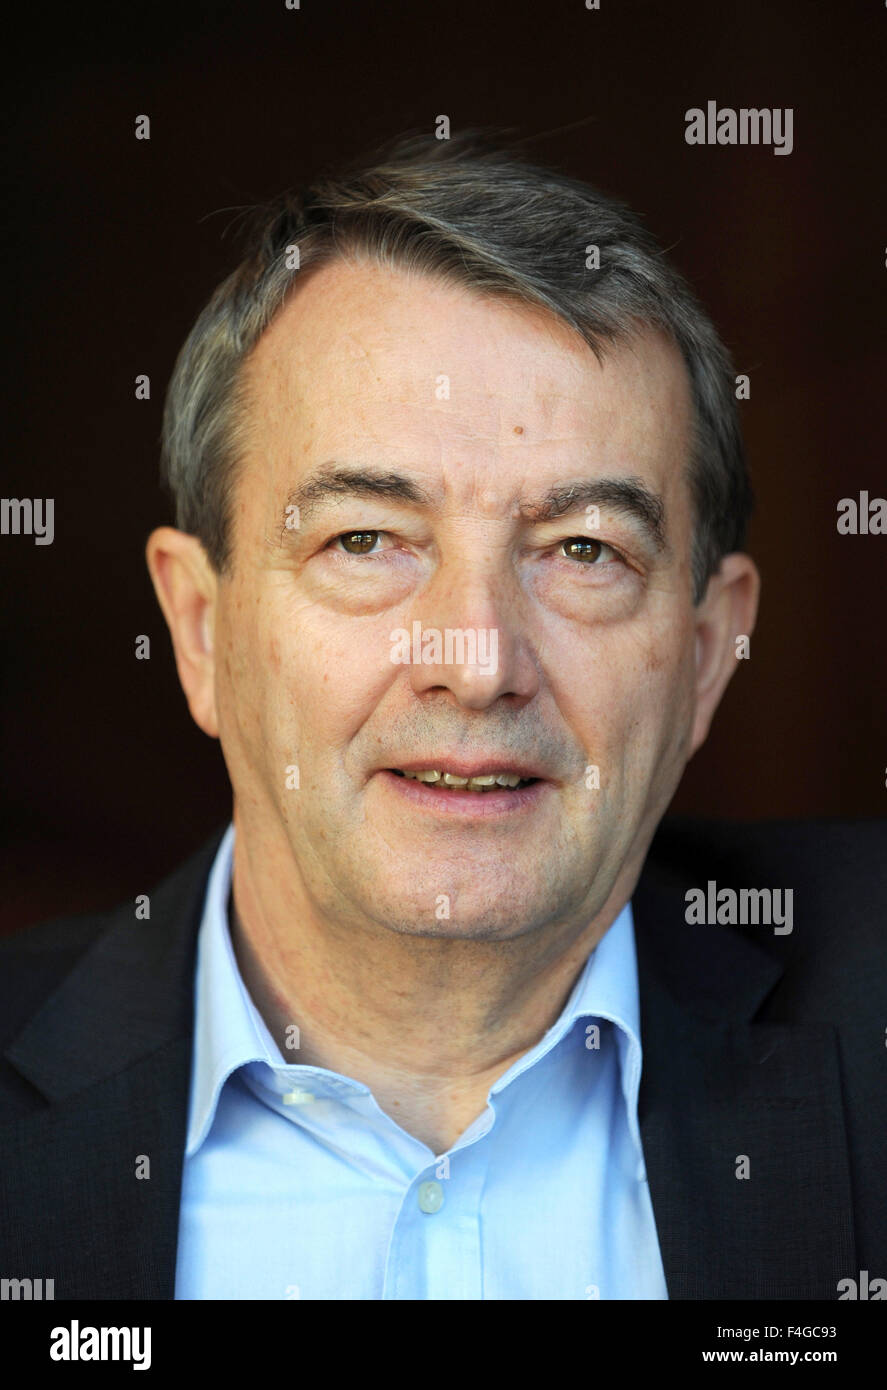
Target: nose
468,637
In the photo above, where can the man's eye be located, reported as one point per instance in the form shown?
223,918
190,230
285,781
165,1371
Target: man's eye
582,548
586,549
357,542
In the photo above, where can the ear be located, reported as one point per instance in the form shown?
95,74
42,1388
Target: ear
186,586
727,611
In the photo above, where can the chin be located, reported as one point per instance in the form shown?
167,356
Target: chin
457,918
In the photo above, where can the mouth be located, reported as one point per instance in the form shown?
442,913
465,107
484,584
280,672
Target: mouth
471,792
483,783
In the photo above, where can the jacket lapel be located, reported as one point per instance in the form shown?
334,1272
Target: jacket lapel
722,1094
94,1178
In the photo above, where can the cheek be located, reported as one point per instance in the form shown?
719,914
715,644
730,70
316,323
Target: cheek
240,675
626,696
666,703
313,681
251,679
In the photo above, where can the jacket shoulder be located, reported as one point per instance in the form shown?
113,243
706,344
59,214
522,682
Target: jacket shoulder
832,879
35,960
829,850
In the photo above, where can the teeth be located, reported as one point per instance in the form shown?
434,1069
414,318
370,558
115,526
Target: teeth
481,783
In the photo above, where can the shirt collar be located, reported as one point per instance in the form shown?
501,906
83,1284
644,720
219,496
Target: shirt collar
225,1031
229,1031
607,988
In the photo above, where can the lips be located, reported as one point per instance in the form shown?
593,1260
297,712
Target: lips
482,804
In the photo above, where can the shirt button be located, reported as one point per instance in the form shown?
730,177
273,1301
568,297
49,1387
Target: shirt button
297,1097
431,1197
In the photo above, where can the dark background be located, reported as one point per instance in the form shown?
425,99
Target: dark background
117,243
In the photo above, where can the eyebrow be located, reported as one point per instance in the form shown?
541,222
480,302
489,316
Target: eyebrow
628,496
336,480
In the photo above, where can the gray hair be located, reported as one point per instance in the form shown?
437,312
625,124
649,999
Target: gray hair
469,210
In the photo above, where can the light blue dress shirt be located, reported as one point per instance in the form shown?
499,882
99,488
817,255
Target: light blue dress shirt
297,1185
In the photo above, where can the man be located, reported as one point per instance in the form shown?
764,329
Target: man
458,582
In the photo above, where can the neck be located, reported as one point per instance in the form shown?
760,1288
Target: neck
428,1024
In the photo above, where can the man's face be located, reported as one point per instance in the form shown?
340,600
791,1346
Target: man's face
485,410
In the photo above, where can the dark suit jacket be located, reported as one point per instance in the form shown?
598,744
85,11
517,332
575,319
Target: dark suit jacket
754,1044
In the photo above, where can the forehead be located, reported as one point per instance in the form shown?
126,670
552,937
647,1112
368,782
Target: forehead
412,371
